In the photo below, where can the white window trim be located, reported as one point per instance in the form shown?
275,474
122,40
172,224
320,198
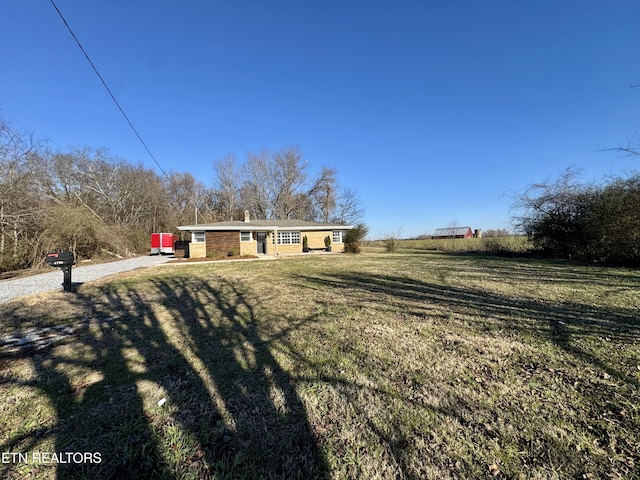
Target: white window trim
338,234
195,236
250,237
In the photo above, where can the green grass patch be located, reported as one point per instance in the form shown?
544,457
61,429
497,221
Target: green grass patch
408,365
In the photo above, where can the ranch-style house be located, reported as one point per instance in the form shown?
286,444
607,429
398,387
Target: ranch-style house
260,237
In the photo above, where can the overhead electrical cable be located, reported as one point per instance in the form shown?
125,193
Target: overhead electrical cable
108,89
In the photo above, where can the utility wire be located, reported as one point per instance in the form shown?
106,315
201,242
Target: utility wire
107,88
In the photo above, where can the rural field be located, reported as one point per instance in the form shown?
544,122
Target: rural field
418,364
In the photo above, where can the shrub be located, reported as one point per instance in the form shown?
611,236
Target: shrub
17,259
593,223
354,237
391,244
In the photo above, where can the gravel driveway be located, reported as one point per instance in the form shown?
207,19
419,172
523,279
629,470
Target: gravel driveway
10,289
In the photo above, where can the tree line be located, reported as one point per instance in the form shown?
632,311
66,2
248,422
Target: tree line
595,223
95,203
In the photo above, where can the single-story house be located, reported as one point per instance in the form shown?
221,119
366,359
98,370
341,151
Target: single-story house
251,237
453,232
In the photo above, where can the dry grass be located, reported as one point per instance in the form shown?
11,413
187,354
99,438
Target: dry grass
487,245
374,366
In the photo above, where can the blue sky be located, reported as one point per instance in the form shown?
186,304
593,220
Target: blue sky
432,111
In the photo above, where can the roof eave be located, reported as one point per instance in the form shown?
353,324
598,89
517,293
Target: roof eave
210,228
317,227
254,228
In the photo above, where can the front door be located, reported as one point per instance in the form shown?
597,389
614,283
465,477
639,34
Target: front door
261,238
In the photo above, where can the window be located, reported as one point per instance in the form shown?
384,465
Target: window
197,237
289,238
245,236
337,236
284,238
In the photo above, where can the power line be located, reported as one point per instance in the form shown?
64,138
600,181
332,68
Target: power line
107,88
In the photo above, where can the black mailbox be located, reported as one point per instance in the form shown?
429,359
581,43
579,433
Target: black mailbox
60,259
64,260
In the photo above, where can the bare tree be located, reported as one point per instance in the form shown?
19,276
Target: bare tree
116,192
208,206
274,185
257,185
323,194
139,190
289,178
228,185
349,209
182,196
189,201
19,199
58,177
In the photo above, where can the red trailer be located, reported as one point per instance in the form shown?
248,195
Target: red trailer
163,243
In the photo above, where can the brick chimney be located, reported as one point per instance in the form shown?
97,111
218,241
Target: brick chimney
246,216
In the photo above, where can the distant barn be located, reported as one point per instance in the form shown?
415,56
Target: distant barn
453,232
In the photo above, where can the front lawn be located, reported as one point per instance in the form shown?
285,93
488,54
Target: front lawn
419,365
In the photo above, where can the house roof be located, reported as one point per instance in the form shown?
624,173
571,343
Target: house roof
256,225
451,231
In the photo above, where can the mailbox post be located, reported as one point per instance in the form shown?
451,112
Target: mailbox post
64,260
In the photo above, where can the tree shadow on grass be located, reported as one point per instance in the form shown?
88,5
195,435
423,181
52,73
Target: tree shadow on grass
563,323
572,328
267,420
231,411
545,270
